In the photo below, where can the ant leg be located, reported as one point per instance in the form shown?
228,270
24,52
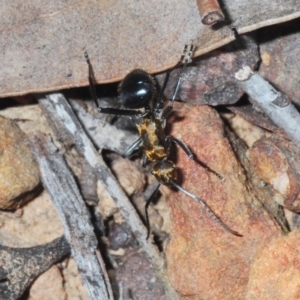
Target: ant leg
145,161
159,102
92,81
191,156
146,209
129,151
181,144
182,58
205,206
186,58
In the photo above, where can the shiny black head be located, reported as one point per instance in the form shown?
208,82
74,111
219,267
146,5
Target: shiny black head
137,89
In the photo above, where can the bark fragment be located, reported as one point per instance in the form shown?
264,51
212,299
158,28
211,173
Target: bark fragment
20,266
210,12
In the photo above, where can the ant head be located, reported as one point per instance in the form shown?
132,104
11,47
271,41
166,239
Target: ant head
137,89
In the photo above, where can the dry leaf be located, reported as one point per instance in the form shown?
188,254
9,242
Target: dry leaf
280,51
210,80
42,42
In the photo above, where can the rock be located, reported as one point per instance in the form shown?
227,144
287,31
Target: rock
48,286
204,260
275,272
275,160
138,278
19,173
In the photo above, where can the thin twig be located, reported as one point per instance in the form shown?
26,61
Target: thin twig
274,103
19,267
62,113
78,230
210,12
103,134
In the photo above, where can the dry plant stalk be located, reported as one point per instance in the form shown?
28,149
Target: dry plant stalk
78,229
210,12
61,117
19,267
276,105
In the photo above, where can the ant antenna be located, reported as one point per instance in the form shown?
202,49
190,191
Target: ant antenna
92,79
205,206
235,32
186,58
159,102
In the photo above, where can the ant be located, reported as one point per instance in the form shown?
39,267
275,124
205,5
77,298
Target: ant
137,91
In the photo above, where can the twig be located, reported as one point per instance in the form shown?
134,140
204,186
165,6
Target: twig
210,12
61,112
102,133
275,104
78,230
21,266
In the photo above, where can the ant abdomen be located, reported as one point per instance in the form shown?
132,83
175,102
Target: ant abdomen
164,171
137,89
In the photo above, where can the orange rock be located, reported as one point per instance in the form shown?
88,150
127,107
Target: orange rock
48,286
275,160
204,260
275,272
19,173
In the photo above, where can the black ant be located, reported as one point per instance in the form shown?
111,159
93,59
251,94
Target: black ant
136,91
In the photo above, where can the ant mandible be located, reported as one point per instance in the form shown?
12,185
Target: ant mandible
137,91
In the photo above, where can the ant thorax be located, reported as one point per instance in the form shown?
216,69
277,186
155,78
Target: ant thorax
156,149
152,133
